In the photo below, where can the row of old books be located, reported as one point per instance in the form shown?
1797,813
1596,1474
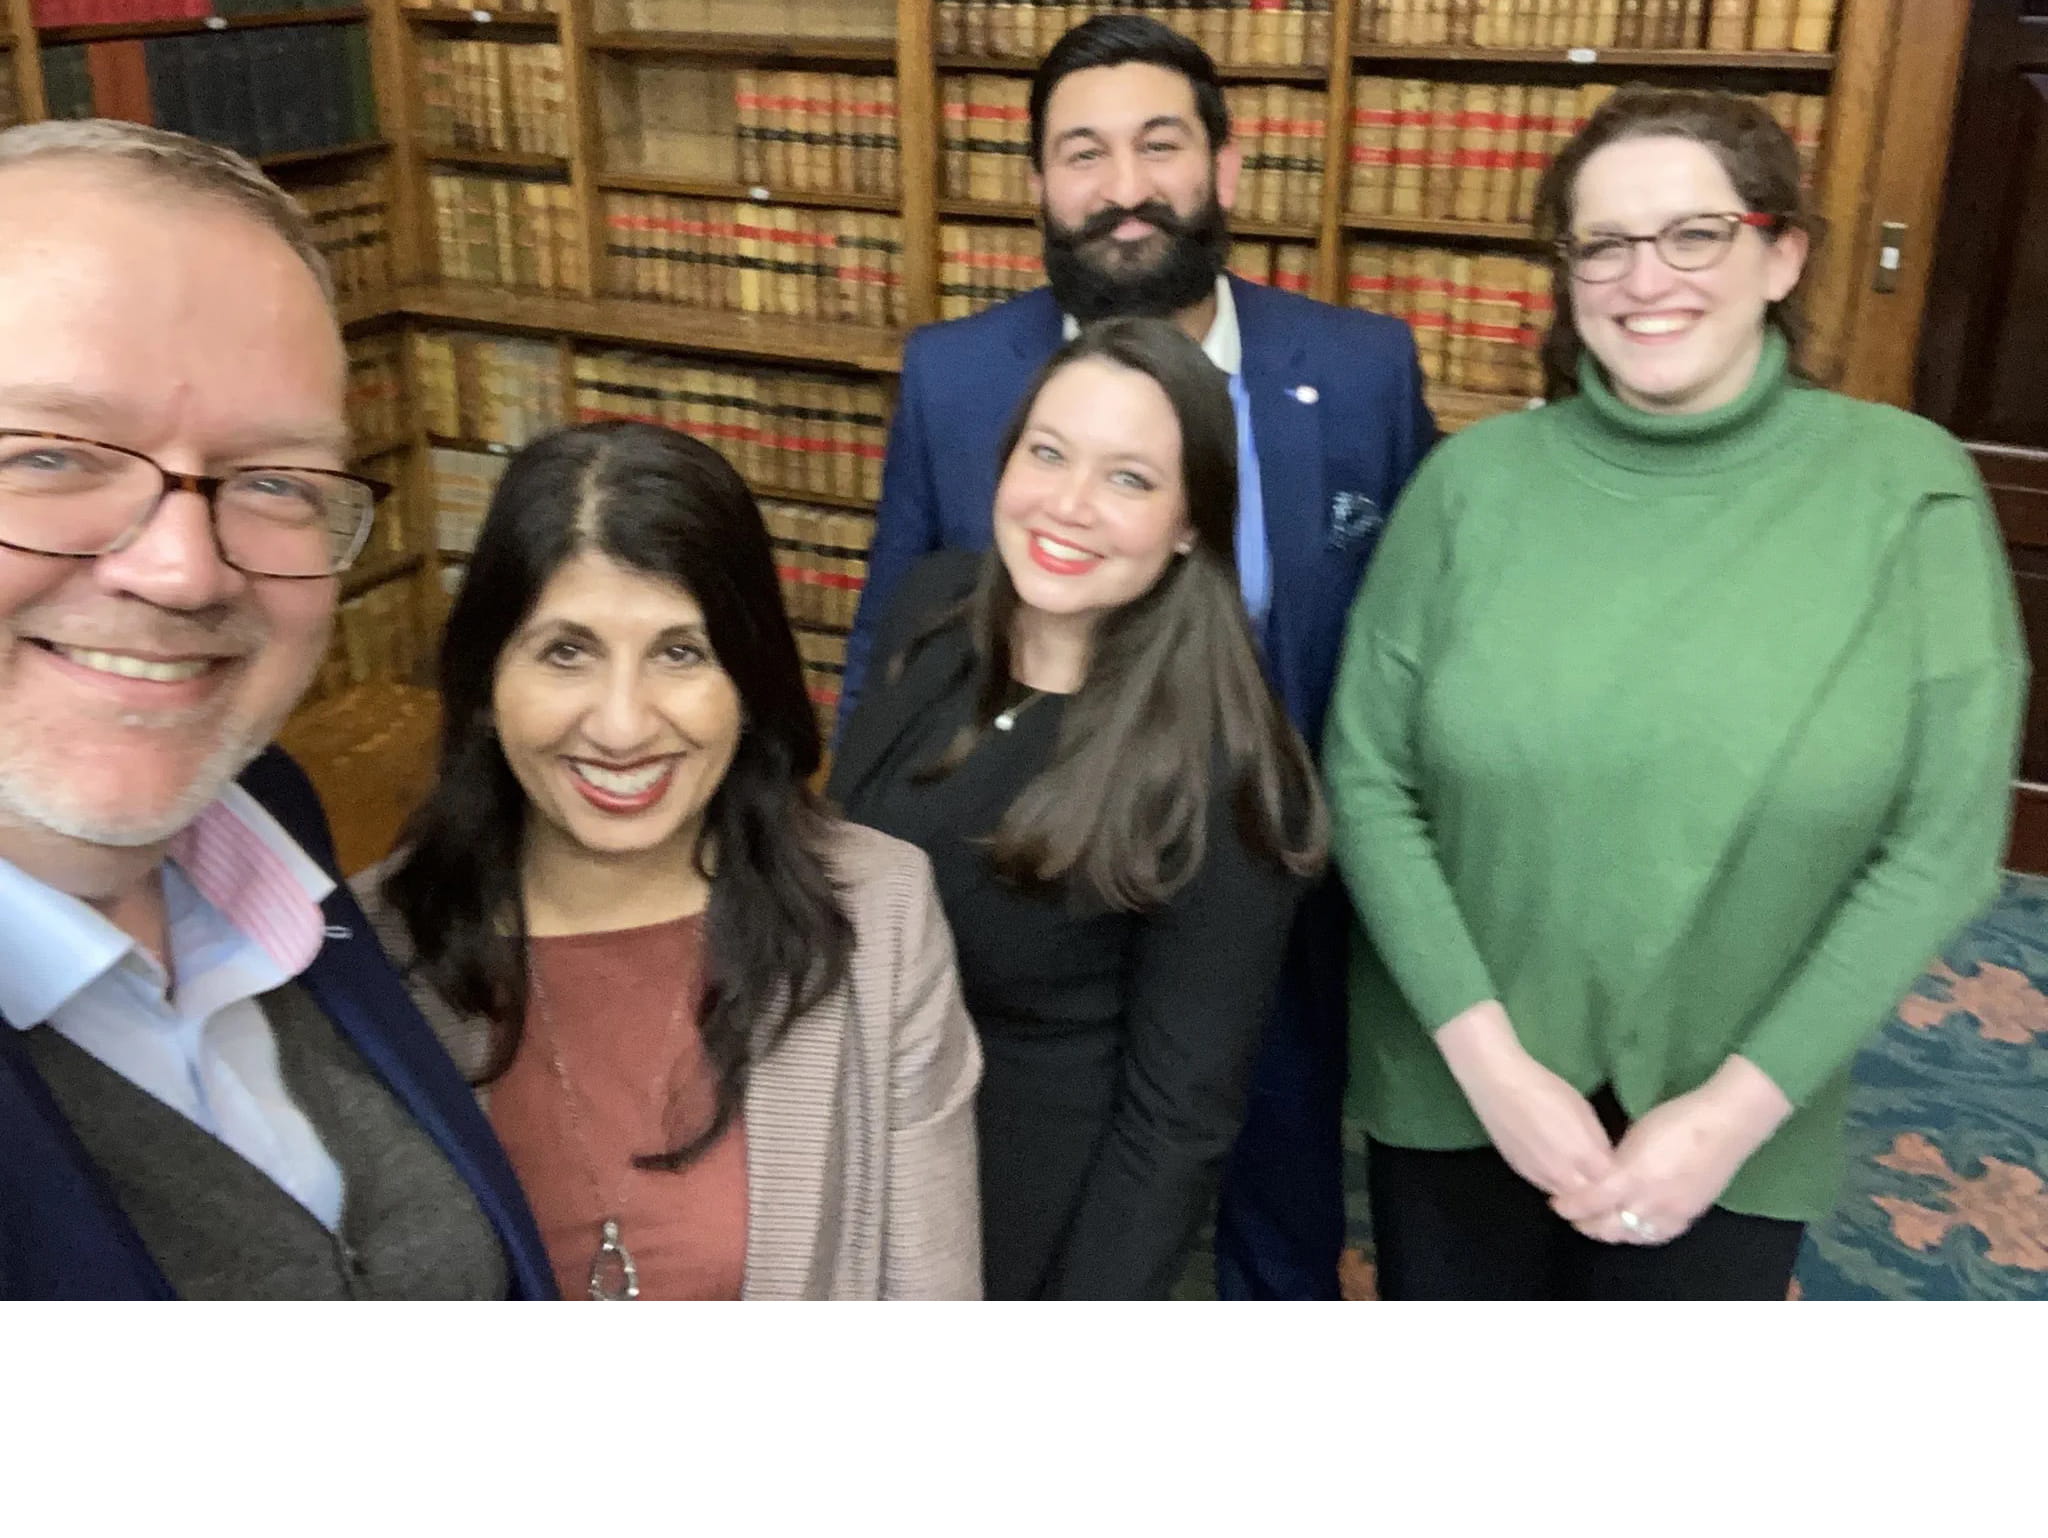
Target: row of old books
391,530
984,264
801,131
351,228
873,19
490,7
985,134
376,390
376,640
500,390
787,433
1279,264
268,91
1235,32
1724,26
784,130
803,263
1474,151
506,233
493,96
824,658
822,555
462,481
1478,318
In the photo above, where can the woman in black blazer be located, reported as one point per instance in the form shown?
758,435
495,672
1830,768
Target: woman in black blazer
1076,730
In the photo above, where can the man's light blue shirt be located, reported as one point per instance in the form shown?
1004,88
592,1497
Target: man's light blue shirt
193,1035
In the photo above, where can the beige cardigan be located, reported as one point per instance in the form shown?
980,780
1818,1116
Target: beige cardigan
861,1179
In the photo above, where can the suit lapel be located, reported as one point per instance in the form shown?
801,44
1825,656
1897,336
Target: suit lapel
363,996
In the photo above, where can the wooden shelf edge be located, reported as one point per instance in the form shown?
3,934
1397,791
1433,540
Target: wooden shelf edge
359,309
116,31
508,160
1024,213
457,16
1393,224
1464,407
332,152
1658,58
651,323
725,45
975,64
392,568
377,448
684,187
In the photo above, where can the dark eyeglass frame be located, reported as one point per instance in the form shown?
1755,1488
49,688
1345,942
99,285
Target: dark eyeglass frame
1755,221
209,487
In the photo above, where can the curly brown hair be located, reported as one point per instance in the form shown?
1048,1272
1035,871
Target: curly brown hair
1761,162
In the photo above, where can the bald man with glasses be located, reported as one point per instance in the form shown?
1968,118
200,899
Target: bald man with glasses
212,1083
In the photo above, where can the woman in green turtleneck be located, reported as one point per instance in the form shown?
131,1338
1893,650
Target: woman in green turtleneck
1672,738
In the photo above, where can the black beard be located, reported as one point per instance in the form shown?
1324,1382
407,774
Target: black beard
1090,288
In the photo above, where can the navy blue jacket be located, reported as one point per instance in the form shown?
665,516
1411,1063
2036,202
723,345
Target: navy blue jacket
1337,413
62,1234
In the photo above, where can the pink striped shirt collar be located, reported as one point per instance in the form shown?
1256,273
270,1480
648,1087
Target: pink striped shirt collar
241,861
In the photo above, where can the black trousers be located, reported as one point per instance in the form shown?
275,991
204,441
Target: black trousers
1463,1225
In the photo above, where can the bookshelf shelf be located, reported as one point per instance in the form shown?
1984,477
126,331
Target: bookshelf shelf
505,160
454,16
1497,234
332,152
765,493
1461,408
636,181
647,323
1024,213
360,309
1596,58
377,448
390,568
471,445
1306,74
115,31
766,49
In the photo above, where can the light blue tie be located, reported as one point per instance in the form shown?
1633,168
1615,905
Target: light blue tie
1254,565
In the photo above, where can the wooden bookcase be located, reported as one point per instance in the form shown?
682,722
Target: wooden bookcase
1860,159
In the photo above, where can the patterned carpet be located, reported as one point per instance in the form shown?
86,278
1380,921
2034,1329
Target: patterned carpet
1948,1135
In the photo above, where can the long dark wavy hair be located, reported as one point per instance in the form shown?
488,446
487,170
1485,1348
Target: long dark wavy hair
1761,162
659,502
1174,691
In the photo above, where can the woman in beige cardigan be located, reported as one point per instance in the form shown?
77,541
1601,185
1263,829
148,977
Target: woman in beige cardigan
719,1033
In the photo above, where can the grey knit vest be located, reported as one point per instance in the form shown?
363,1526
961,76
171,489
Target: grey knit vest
220,1228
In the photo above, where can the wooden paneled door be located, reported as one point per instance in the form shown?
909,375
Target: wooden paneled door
1983,359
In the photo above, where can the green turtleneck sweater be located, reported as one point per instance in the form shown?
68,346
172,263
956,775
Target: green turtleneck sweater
1681,736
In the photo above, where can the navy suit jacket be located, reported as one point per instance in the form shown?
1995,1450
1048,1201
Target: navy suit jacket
62,1234
1337,413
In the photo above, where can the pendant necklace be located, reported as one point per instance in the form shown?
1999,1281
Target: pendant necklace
614,1278
1008,717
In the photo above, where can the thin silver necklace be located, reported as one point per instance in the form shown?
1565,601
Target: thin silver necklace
614,1278
1008,718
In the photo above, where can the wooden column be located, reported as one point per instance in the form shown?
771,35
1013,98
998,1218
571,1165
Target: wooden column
917,144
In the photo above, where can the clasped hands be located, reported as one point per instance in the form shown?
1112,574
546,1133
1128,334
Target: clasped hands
1649,1188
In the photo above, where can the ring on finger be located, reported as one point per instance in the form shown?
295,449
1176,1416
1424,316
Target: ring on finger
1641,1228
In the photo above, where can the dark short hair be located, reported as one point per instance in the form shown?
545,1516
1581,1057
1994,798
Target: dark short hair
1762,164
1122,38
658,502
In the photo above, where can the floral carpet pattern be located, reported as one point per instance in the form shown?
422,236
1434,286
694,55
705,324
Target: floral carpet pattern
1946,1192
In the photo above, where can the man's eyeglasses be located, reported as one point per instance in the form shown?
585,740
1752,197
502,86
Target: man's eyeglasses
68,496
1690,244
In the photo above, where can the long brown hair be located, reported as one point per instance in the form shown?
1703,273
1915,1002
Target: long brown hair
1761,162
1174,693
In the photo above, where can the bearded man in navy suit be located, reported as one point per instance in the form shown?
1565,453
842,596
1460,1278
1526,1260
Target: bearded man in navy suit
1135,173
